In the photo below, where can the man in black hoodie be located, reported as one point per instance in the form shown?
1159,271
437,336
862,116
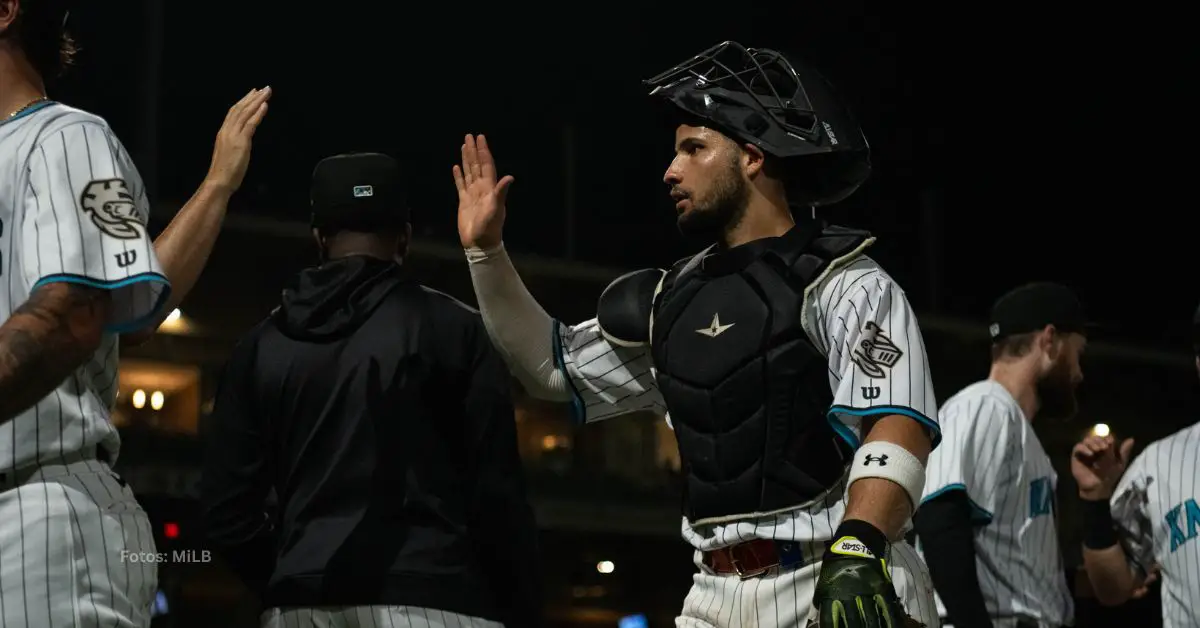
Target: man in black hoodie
380,415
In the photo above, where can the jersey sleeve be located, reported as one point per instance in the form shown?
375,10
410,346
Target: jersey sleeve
979,453
606,380
85,222
877,360
1129,511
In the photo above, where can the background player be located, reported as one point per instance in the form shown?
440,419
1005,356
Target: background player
77,268
766,472
1156,509
987,522
380,414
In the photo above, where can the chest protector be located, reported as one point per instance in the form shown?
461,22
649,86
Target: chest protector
747,390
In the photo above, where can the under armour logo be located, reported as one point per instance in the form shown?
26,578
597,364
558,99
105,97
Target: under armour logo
882,460
716,328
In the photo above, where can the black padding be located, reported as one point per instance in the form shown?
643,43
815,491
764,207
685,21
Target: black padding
625,306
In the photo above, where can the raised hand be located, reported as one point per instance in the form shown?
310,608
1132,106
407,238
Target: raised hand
231,152
1097,464
480,197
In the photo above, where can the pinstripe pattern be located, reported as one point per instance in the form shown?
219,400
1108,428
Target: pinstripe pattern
784,600
990,451
48,158
377,616
63,532
66,535
856,308
1157,506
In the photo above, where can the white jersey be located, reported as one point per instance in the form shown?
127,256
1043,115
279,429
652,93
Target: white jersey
72,209
1157,507
855,310
990,451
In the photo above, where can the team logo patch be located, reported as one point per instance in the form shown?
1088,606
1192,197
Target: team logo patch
111,207
875,352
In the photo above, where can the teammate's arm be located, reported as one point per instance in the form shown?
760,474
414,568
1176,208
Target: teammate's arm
554,362
184,246
46,339
1098,464
502,526
975,457
235,479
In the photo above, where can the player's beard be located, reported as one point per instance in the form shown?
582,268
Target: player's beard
720,211
1056,392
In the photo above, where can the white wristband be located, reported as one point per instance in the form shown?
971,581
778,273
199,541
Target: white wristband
889,461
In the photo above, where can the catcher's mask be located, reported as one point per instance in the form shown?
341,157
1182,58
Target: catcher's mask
788,110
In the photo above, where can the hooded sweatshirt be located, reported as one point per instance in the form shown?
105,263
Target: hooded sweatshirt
379,414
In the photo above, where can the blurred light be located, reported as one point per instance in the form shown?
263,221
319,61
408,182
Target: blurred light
139,398
605,566
633,621
171,530
156,400
1101,430
174,323
160,605
549,441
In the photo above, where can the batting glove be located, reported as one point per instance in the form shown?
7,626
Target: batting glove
854,589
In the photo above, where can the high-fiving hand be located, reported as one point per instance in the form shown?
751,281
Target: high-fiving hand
231,152
480,197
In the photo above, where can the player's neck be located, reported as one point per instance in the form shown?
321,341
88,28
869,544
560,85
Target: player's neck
763,219
1020,382
19,83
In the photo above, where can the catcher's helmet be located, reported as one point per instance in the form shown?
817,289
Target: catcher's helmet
788,110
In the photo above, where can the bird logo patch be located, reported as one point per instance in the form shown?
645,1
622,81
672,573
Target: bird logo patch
111,207
875,351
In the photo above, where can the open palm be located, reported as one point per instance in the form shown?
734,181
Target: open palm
480,197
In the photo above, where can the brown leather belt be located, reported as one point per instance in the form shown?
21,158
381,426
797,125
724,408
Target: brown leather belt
755,558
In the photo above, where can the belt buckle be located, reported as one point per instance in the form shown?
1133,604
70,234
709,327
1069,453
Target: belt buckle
744,574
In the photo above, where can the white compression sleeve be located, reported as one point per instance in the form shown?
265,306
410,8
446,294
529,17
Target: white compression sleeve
518,326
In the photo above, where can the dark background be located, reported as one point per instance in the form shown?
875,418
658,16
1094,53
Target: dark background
1010,143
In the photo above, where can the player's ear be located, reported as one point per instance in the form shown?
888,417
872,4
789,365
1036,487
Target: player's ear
1047,341
8,14
752,160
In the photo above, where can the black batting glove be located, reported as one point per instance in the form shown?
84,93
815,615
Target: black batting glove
854,589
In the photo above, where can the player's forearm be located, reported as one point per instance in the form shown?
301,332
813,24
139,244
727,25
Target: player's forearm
1110,575
521,330
184,246
885,503
46,339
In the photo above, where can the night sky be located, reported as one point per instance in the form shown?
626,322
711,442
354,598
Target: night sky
1010,143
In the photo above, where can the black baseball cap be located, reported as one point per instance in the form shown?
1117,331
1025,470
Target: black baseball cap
360,192
1033,306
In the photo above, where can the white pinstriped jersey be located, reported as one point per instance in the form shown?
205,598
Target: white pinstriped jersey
73,209
990,451
853,312
1157,507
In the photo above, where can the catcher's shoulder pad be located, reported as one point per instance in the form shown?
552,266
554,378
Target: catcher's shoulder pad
835,242
626,305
